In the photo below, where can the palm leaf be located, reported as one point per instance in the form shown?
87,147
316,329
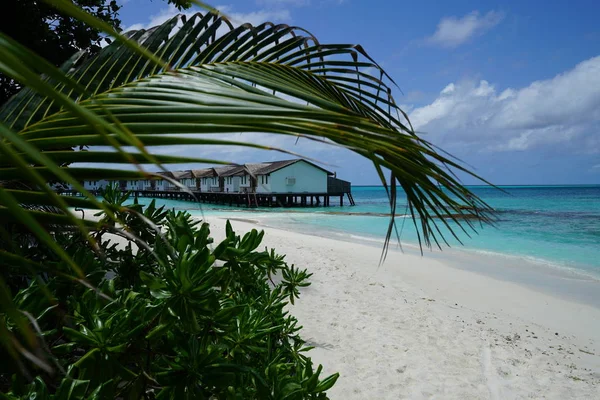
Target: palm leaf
216,78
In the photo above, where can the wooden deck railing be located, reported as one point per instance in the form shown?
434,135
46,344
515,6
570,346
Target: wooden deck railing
335,185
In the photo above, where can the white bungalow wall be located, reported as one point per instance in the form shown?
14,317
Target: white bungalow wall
263,184
90,185
245,181
147,184
232,184
190,183
160,184
296,178
168,185
133,185
95,185
205,184
213,184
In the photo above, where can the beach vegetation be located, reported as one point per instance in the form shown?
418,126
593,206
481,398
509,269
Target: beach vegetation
184,318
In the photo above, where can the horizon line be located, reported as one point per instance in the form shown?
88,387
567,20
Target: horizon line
508,184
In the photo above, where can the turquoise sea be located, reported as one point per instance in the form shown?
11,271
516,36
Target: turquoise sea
556,226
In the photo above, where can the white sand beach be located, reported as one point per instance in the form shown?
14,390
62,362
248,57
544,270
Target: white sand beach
420,328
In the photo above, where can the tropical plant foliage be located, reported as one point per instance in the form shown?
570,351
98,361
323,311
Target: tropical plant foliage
184,319
50,33
182,82
55,35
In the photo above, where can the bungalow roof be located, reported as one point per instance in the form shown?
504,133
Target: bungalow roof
263,168
236,170
167,174
221,171
182,174
277,165
203,173
254,167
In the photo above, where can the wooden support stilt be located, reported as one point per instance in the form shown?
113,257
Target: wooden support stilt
239,199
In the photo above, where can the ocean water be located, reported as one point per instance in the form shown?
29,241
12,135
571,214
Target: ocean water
555,226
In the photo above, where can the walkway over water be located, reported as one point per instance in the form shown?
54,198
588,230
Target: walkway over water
243,199
251,199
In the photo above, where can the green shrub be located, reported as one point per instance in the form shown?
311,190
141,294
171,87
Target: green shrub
185,319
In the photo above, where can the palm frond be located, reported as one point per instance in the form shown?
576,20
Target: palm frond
187,81
215,78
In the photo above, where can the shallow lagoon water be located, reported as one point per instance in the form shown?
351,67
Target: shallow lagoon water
554,225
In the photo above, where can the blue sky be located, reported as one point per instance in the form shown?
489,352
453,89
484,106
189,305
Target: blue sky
512,88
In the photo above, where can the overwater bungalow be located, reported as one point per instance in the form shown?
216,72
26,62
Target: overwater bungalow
185,178
276,182
203,177
95,185
292,176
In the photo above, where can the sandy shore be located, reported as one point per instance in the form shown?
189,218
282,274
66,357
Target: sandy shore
419,328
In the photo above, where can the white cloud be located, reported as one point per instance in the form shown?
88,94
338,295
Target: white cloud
452,31
254,17
160,17
563,110
258,17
